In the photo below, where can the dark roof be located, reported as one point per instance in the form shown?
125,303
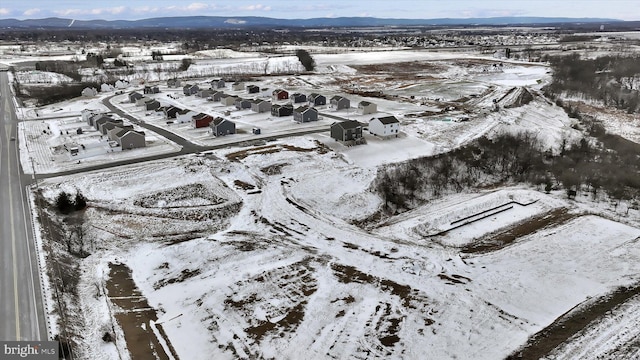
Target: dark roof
201,116
183,111
388,120
303,109
365,103
349,124
217,121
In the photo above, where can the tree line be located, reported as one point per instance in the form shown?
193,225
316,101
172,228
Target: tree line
609,164
612,79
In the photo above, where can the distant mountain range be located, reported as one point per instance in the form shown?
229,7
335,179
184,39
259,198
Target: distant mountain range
250,21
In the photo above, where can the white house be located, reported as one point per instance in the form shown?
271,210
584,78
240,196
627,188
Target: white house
122,84
386,126
106,87
89,92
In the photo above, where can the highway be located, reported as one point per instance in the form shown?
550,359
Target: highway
21,309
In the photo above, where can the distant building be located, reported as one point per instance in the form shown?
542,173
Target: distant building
281,110
228,100
134,96
222,127
122,84
241,104
89,92
253,89
217,84
106,88
260,106
298,98
305,114
151,89
279,94
317,99
201,120
365,107
173,83
190,89
339,102
237,86
170,112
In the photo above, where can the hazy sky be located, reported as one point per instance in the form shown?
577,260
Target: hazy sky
140,9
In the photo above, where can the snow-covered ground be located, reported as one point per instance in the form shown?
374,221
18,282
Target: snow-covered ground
252,252
289,272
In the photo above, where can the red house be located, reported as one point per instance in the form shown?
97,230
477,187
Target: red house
201,120
279,94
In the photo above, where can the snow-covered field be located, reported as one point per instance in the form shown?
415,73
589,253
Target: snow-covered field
288,271
252,252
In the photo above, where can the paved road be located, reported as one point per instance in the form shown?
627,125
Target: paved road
21,310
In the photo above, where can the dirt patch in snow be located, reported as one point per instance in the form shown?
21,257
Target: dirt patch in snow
135,316
503,238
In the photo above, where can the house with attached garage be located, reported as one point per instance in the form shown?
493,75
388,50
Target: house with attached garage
305,114
297,98
217,84
134,96
365,107
260,106
317,99
222,127
279,94
281,110
201,120
130,139
348,132
384,127
241,103
339,102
